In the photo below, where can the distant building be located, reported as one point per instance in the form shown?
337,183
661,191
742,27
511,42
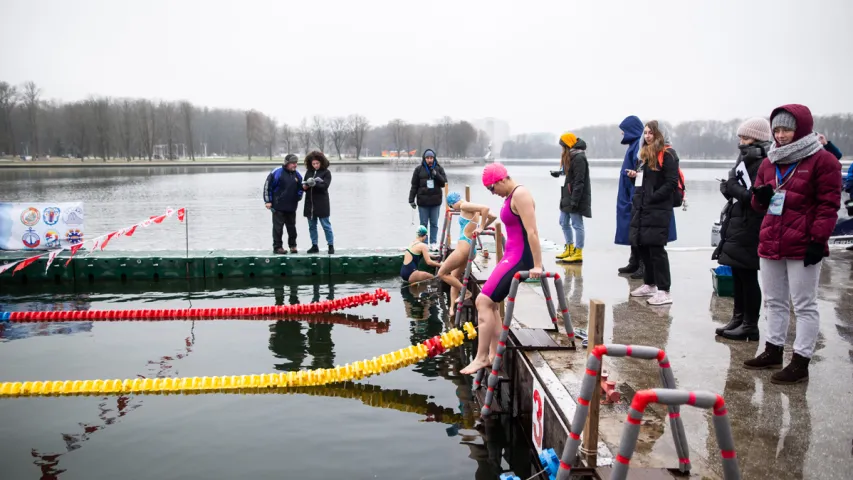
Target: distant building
496,129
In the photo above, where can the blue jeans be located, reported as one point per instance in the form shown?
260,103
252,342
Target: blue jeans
429,218
327,230
576,220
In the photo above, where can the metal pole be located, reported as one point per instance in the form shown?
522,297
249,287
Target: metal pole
187,238
496,365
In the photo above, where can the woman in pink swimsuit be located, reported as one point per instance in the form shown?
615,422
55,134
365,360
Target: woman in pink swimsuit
521,253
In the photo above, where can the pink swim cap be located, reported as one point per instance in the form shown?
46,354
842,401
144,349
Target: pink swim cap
494,173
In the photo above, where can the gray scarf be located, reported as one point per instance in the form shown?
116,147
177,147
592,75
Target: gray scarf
795,151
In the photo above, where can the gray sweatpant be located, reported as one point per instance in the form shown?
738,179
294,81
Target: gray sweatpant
784,279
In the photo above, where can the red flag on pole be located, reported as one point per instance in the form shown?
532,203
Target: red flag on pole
182,212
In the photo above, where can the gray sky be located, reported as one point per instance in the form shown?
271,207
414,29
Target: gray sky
541,65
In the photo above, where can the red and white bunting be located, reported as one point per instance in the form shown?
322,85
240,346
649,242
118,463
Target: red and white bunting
74,248
130,231
3,268
25,263
51,257
182,212
107,240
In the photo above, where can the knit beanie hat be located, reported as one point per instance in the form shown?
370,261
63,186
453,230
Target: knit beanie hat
291,158
568,139
785,120
757,128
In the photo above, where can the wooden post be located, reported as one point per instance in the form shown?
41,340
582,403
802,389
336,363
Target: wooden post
467,193
595,332
446,240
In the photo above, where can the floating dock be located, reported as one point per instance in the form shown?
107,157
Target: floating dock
161,265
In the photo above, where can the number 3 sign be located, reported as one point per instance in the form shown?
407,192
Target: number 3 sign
538,415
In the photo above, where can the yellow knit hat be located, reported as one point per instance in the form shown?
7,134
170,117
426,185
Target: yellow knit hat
568,139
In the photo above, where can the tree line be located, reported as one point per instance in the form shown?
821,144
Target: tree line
701,139
126,128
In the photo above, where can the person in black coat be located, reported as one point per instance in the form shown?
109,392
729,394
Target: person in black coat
575,196
428,182
282,194
655,183
741,224
316,186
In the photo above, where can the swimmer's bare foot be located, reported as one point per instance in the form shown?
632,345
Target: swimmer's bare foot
468,294
475,366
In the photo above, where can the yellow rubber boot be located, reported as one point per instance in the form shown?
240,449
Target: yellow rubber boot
567,252
575,257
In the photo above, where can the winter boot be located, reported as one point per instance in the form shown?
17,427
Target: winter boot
567,252
575,257
736,321
313,249
293,250
633,262
279,251
748,331
331,249
797,371
640,273
770,358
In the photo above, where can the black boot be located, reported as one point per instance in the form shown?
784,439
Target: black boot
633,262
313,249
736,321
770,358
331,249
748,331
797,371
640,273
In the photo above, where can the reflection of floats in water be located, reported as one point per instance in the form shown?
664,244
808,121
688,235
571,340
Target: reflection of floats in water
20,331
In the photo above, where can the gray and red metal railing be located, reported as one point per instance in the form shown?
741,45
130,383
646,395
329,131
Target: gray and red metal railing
665,396
510,308
589,383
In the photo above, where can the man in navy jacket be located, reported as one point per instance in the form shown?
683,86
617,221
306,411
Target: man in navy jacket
282,194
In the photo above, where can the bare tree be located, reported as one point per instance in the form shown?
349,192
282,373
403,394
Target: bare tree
32,96
436,132
126,128
103,122
288,137
319,132
340,129
78,120
398,131
304,133
187,111
170,124
271,136
146,121
446,126
359,125
8,102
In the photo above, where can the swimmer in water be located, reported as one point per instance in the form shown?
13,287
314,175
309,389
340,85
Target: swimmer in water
522,252
471,217
417,249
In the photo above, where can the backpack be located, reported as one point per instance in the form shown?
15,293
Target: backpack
678,195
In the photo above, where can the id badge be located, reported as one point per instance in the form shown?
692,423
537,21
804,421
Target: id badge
638,180
777,202
430,183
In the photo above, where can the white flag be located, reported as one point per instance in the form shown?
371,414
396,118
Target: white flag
51,257
3,268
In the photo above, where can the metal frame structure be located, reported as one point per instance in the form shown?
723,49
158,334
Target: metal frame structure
510,307
593,368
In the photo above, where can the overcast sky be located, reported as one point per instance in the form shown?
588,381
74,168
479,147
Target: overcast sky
540,65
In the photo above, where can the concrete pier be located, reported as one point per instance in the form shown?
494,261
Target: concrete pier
800,431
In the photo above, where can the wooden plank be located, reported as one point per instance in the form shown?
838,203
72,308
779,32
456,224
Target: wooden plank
467,193
531,311
543,339
637,473
596,337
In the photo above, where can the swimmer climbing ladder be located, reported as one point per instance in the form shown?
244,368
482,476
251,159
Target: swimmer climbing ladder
593,367
513,290
445,232
472,254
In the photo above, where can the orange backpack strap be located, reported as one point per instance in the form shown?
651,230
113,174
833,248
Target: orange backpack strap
660,156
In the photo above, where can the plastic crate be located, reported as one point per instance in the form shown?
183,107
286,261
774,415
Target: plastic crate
723,284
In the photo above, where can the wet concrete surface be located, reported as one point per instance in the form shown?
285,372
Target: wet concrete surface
799,432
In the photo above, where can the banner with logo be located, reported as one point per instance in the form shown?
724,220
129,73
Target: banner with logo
41,226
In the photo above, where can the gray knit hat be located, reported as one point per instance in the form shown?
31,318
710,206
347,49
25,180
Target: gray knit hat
785,120
757,128
291,158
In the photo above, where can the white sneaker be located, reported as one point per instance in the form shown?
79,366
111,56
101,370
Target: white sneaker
660,298
645,291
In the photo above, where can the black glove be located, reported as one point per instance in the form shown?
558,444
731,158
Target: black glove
724,187
814,254
555,173
414,205
763,194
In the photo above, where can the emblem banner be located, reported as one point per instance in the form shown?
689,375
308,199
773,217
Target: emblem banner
41,226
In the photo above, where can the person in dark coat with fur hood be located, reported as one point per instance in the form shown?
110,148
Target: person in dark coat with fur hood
741,223
317,209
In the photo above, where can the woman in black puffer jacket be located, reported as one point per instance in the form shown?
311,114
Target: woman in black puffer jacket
741,224
316,185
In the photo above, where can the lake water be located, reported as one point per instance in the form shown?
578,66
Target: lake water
390,426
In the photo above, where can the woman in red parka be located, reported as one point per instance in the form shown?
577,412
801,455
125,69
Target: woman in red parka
799,187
